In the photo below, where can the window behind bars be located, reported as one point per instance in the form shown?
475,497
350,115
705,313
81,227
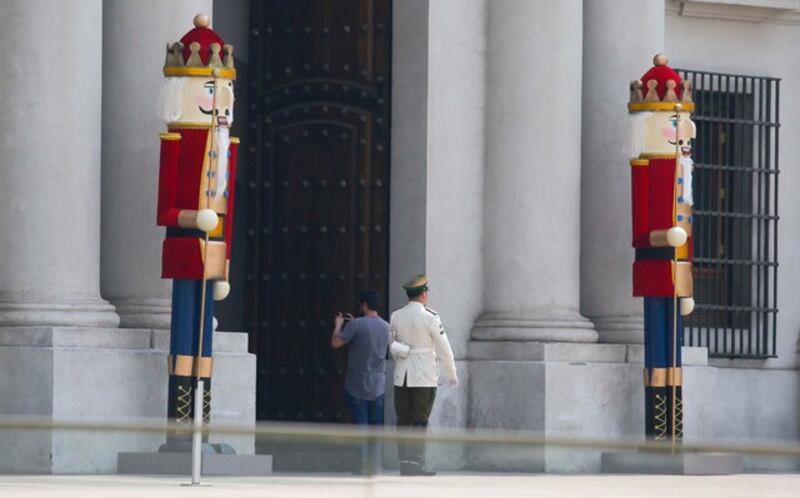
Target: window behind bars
736,214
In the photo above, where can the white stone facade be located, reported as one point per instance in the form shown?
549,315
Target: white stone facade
510,189
553,237
78,182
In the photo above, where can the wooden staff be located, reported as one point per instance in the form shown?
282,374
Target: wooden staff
213,162
199,389
677,109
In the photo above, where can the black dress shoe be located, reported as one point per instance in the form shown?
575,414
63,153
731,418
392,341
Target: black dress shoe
408,468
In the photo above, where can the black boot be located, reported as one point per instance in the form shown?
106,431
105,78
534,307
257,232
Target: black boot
660,418
206,406
678,411
649,420
180,403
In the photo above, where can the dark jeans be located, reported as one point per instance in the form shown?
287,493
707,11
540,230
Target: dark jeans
365,413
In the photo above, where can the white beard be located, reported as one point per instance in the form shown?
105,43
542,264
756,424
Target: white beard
687,164
223,141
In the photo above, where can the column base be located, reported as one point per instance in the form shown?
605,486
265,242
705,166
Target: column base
564,326
78,313
144,313
213,464
684,464
105,375
619,329
553,390
595,391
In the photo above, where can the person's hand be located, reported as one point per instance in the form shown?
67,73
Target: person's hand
339,320
453,382
348,317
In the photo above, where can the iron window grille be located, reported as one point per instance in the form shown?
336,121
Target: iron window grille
735,214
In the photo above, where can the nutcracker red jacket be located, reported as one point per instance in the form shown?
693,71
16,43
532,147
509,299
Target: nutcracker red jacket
656,188
184,183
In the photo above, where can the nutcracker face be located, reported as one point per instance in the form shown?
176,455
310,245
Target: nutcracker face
190,100
198,99
662,130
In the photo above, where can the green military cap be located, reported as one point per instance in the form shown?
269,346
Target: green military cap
416,285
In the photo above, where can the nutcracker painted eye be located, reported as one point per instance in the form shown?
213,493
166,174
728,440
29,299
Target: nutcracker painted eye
206,98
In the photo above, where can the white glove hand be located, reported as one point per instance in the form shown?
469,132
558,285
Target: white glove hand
686,306
206,220
399,350
677,236
221,290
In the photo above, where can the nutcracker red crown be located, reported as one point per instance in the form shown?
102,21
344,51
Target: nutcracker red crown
660,89
201,52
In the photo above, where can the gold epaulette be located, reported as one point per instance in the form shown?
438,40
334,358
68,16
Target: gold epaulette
657,155
169,136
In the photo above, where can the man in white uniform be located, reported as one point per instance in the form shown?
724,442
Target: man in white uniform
420,329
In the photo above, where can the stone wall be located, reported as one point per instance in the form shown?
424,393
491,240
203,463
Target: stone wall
83,375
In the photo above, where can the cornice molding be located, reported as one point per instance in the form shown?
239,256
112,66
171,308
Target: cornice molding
757,11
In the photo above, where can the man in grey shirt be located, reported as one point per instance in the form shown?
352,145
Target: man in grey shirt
367,340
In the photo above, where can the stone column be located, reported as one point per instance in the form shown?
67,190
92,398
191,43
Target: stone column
437,179
135,35
532,177
620,38
50,53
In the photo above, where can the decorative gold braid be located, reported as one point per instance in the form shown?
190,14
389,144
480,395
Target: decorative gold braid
206,406
184,406
678,418
661,416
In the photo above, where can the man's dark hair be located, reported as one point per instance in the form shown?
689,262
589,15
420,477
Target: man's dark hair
370,297
412,293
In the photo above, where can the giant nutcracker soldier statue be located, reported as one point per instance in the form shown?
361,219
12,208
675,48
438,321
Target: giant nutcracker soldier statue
660,105
195,203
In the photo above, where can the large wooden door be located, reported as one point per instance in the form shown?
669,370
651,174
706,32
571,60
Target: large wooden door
318,193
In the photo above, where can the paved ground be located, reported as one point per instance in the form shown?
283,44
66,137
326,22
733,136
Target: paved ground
449,485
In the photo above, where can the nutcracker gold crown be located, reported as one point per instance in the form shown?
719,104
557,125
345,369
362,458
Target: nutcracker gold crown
201,52
660,89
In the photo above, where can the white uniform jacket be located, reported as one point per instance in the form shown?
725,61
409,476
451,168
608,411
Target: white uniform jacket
421,328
